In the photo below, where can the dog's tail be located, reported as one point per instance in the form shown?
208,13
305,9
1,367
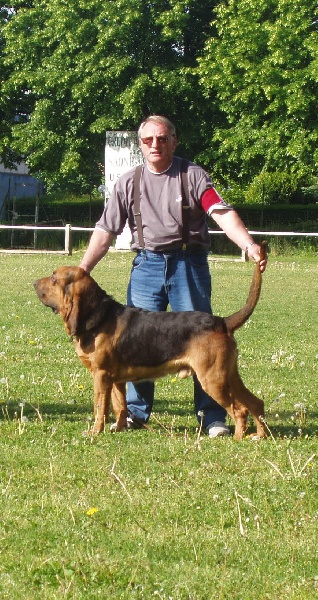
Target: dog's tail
238,319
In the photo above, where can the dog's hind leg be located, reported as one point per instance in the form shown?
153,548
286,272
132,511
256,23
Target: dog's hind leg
118,397
216,383
218,389
240,415
242,396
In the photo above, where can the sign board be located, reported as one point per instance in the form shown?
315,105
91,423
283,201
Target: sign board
122,153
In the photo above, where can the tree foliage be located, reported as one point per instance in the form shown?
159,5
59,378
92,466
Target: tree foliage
263,68
239,79
88,66
10,104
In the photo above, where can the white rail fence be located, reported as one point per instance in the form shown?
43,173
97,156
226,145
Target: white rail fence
69,229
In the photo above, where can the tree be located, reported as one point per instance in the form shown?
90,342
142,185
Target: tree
86,66
263,69
9,104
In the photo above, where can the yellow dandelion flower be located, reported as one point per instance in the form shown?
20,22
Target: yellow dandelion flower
91,511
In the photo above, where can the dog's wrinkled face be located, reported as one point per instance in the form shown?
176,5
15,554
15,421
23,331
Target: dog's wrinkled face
53,290
61,293
74,294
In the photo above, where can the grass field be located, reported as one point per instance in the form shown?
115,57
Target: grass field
160,513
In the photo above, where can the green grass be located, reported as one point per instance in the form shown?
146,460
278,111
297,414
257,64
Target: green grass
159,513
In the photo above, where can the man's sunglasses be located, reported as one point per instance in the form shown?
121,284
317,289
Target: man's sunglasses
161,139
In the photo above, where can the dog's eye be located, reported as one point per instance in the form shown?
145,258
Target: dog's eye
53,278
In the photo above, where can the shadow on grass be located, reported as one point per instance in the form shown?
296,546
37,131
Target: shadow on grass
286,426
48,411
164,411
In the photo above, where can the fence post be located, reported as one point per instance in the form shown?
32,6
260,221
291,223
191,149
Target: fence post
68,239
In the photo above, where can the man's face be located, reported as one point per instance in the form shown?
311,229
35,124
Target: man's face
157,145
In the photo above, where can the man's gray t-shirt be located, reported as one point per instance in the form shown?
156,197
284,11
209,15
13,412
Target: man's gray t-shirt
160,207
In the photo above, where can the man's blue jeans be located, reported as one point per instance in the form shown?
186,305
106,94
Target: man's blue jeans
181,279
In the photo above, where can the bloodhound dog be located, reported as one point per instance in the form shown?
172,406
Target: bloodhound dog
118,343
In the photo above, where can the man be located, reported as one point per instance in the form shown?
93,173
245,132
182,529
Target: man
170,265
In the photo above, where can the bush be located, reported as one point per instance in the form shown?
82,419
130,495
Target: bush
310,194
273,188
234,194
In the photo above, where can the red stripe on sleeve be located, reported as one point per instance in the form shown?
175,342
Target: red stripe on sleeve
209,198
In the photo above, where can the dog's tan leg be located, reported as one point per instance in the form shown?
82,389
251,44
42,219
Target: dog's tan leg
238,403
239,414
243,396
119,405
215,385
102,395
220,379
236,410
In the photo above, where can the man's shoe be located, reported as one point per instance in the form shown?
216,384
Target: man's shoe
217,429
131,425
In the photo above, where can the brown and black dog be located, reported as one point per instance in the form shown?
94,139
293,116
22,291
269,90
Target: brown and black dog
119,344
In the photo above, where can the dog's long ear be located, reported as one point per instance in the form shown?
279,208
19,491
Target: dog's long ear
85,305
97,311
71,310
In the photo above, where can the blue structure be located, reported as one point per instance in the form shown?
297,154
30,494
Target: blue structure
15,185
